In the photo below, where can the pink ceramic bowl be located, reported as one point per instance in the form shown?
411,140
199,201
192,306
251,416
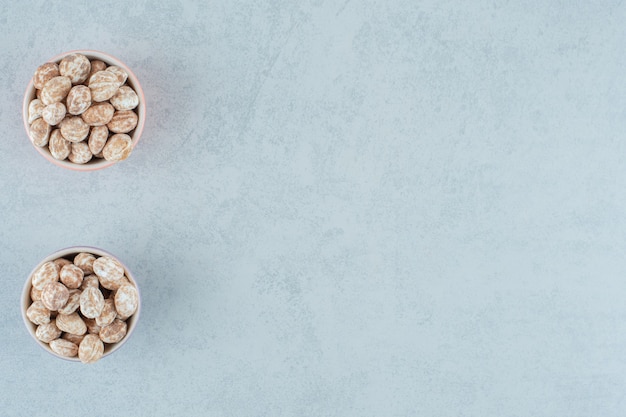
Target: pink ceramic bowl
69,254
95,163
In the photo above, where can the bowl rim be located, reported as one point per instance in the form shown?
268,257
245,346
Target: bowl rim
25,300
141,110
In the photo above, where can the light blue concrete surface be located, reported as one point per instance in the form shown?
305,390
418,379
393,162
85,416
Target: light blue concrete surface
338,208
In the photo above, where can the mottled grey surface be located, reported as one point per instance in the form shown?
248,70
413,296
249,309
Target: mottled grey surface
338,208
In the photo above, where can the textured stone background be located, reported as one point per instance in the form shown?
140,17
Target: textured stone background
338,208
